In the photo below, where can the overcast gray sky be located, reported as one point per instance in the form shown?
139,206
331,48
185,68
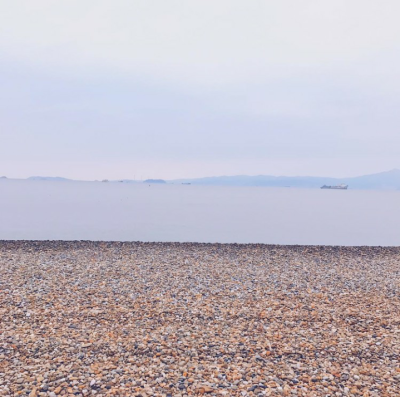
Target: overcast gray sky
164,88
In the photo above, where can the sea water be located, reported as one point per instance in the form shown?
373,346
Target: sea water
53,210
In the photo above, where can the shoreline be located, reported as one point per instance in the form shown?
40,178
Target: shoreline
185,243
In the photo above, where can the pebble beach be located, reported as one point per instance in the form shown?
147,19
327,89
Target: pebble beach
185,319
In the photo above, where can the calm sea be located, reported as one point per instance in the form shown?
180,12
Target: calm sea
44,210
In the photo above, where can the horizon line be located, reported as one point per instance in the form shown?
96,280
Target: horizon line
32,177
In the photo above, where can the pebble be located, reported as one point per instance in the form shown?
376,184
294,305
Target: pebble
169,319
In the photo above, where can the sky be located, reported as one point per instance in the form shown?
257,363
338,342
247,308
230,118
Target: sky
136,89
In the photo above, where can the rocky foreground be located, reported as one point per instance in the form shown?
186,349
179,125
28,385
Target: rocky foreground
141,319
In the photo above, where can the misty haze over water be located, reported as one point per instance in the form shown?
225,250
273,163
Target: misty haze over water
44,210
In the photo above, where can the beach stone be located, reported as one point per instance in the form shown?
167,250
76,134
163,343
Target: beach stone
169,319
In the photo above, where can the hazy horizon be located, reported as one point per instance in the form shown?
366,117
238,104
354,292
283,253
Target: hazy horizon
171,89
49,175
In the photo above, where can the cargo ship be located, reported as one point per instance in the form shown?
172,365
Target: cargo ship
338,187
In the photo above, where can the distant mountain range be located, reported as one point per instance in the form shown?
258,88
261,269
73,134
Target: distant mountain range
48,178
389,180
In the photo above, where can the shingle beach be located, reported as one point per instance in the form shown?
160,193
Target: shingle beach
165,319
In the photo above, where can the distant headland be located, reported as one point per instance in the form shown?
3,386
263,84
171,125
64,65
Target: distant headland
154,181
